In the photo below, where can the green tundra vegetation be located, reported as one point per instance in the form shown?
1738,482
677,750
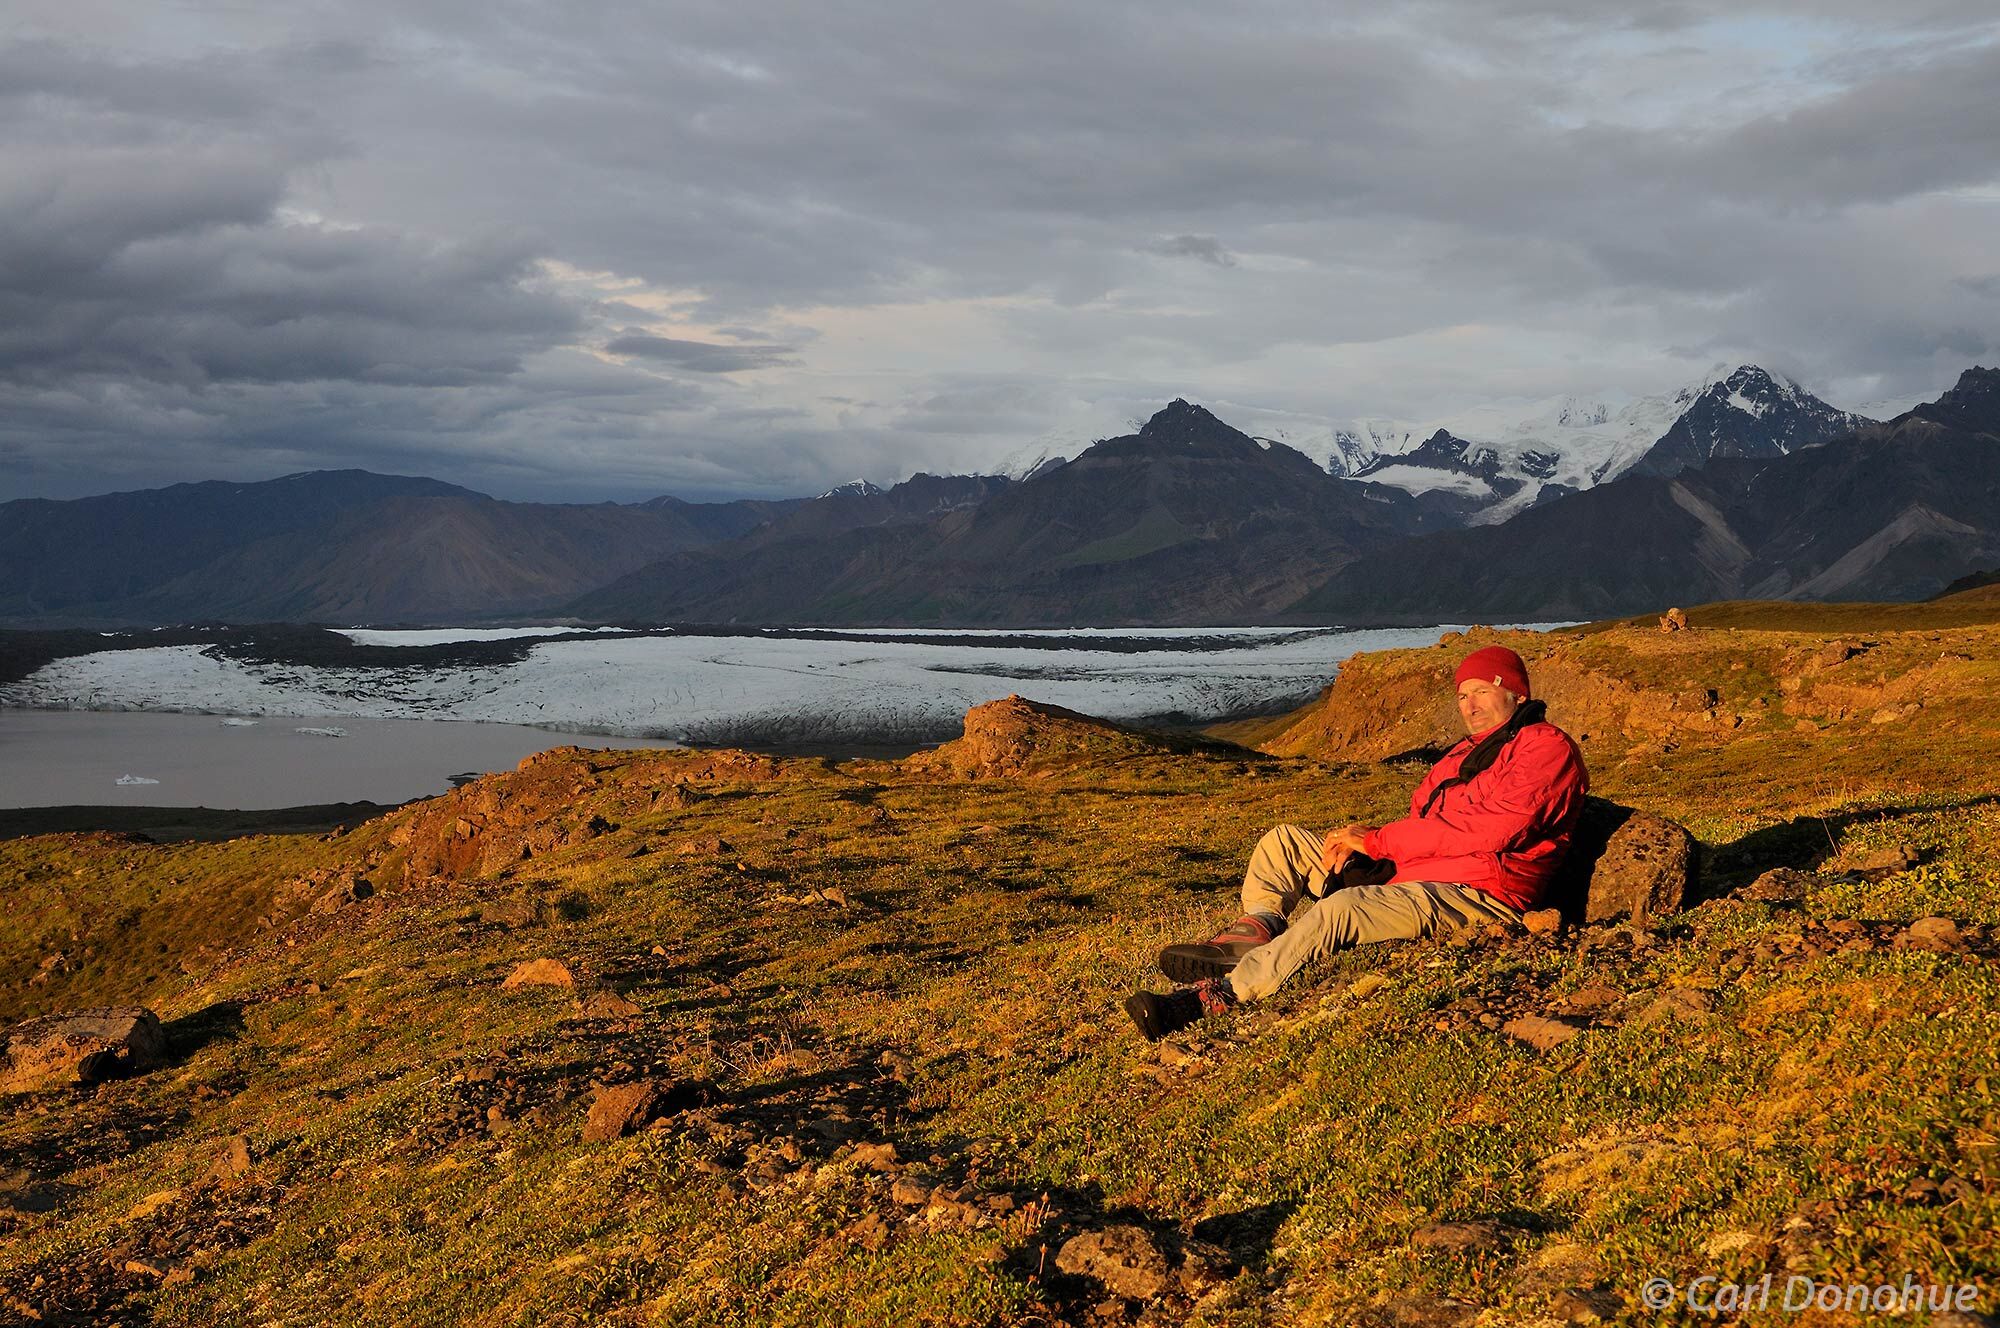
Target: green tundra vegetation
846,1038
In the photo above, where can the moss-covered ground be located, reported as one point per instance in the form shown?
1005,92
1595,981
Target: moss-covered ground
833,956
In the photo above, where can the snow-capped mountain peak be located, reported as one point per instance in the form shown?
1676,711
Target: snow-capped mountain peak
1504,457
1749,412
857,488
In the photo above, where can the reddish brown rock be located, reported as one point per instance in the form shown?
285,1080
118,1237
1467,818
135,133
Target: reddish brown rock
1014,736
86,1046
234,1160
1939,934
1541,1032
539,973
619,1110
1543,921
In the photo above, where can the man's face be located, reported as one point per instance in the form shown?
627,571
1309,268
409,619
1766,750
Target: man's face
1484,705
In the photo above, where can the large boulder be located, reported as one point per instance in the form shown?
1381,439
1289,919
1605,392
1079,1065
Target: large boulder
1125,1258
1624,863
1015,736
82,1047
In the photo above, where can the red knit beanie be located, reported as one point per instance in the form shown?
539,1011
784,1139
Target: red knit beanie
1497,665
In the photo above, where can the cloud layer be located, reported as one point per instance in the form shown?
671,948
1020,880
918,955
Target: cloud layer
761,249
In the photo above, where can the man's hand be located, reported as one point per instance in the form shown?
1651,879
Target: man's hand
1340,845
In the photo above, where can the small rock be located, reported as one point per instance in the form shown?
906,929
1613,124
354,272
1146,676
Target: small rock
1674,1004
1543,921
1428,1312
946,1211
539,973
1204,1266
869,1231
235,1158
1591,1000
711,846
911,1191
1939,934
877,1157
1780,885
513,914
1125,1259
1580,1305
1542,1032
1727,1242
619,1110
152,1203
1890,857
1674,620
1474,1237
606,1005
84,1047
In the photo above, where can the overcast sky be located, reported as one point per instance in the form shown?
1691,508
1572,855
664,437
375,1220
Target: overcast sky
755,248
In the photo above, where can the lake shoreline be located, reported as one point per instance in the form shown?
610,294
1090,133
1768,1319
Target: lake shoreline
174,825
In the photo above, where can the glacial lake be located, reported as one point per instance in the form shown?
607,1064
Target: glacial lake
186,726
59,758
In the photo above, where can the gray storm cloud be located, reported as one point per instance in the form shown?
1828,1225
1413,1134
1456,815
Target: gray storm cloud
762,249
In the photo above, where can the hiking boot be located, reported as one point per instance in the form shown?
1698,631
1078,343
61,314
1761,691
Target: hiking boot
1157,1016
1214,957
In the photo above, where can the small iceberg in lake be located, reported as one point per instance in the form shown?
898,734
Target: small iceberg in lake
130,780
239,723
330,731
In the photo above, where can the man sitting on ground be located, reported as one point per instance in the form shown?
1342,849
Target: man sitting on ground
1487,829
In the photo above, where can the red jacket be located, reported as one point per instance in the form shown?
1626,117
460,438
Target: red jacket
1505,830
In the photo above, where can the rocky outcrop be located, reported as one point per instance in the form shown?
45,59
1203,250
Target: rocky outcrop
1015,736
82,1047
560,799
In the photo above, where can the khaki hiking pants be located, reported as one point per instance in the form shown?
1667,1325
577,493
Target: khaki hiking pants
1283,874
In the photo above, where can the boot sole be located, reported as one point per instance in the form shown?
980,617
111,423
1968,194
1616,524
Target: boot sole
1140,1007
1192,963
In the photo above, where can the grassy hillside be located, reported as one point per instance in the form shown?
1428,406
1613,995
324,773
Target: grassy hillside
810,961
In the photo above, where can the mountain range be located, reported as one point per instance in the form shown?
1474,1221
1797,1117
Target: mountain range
1891,511
1186,521
1496,461
1742,485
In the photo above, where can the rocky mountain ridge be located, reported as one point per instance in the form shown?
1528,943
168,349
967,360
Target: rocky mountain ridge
1185,521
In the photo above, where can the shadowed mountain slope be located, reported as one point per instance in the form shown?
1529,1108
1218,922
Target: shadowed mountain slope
1187,520
328,545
